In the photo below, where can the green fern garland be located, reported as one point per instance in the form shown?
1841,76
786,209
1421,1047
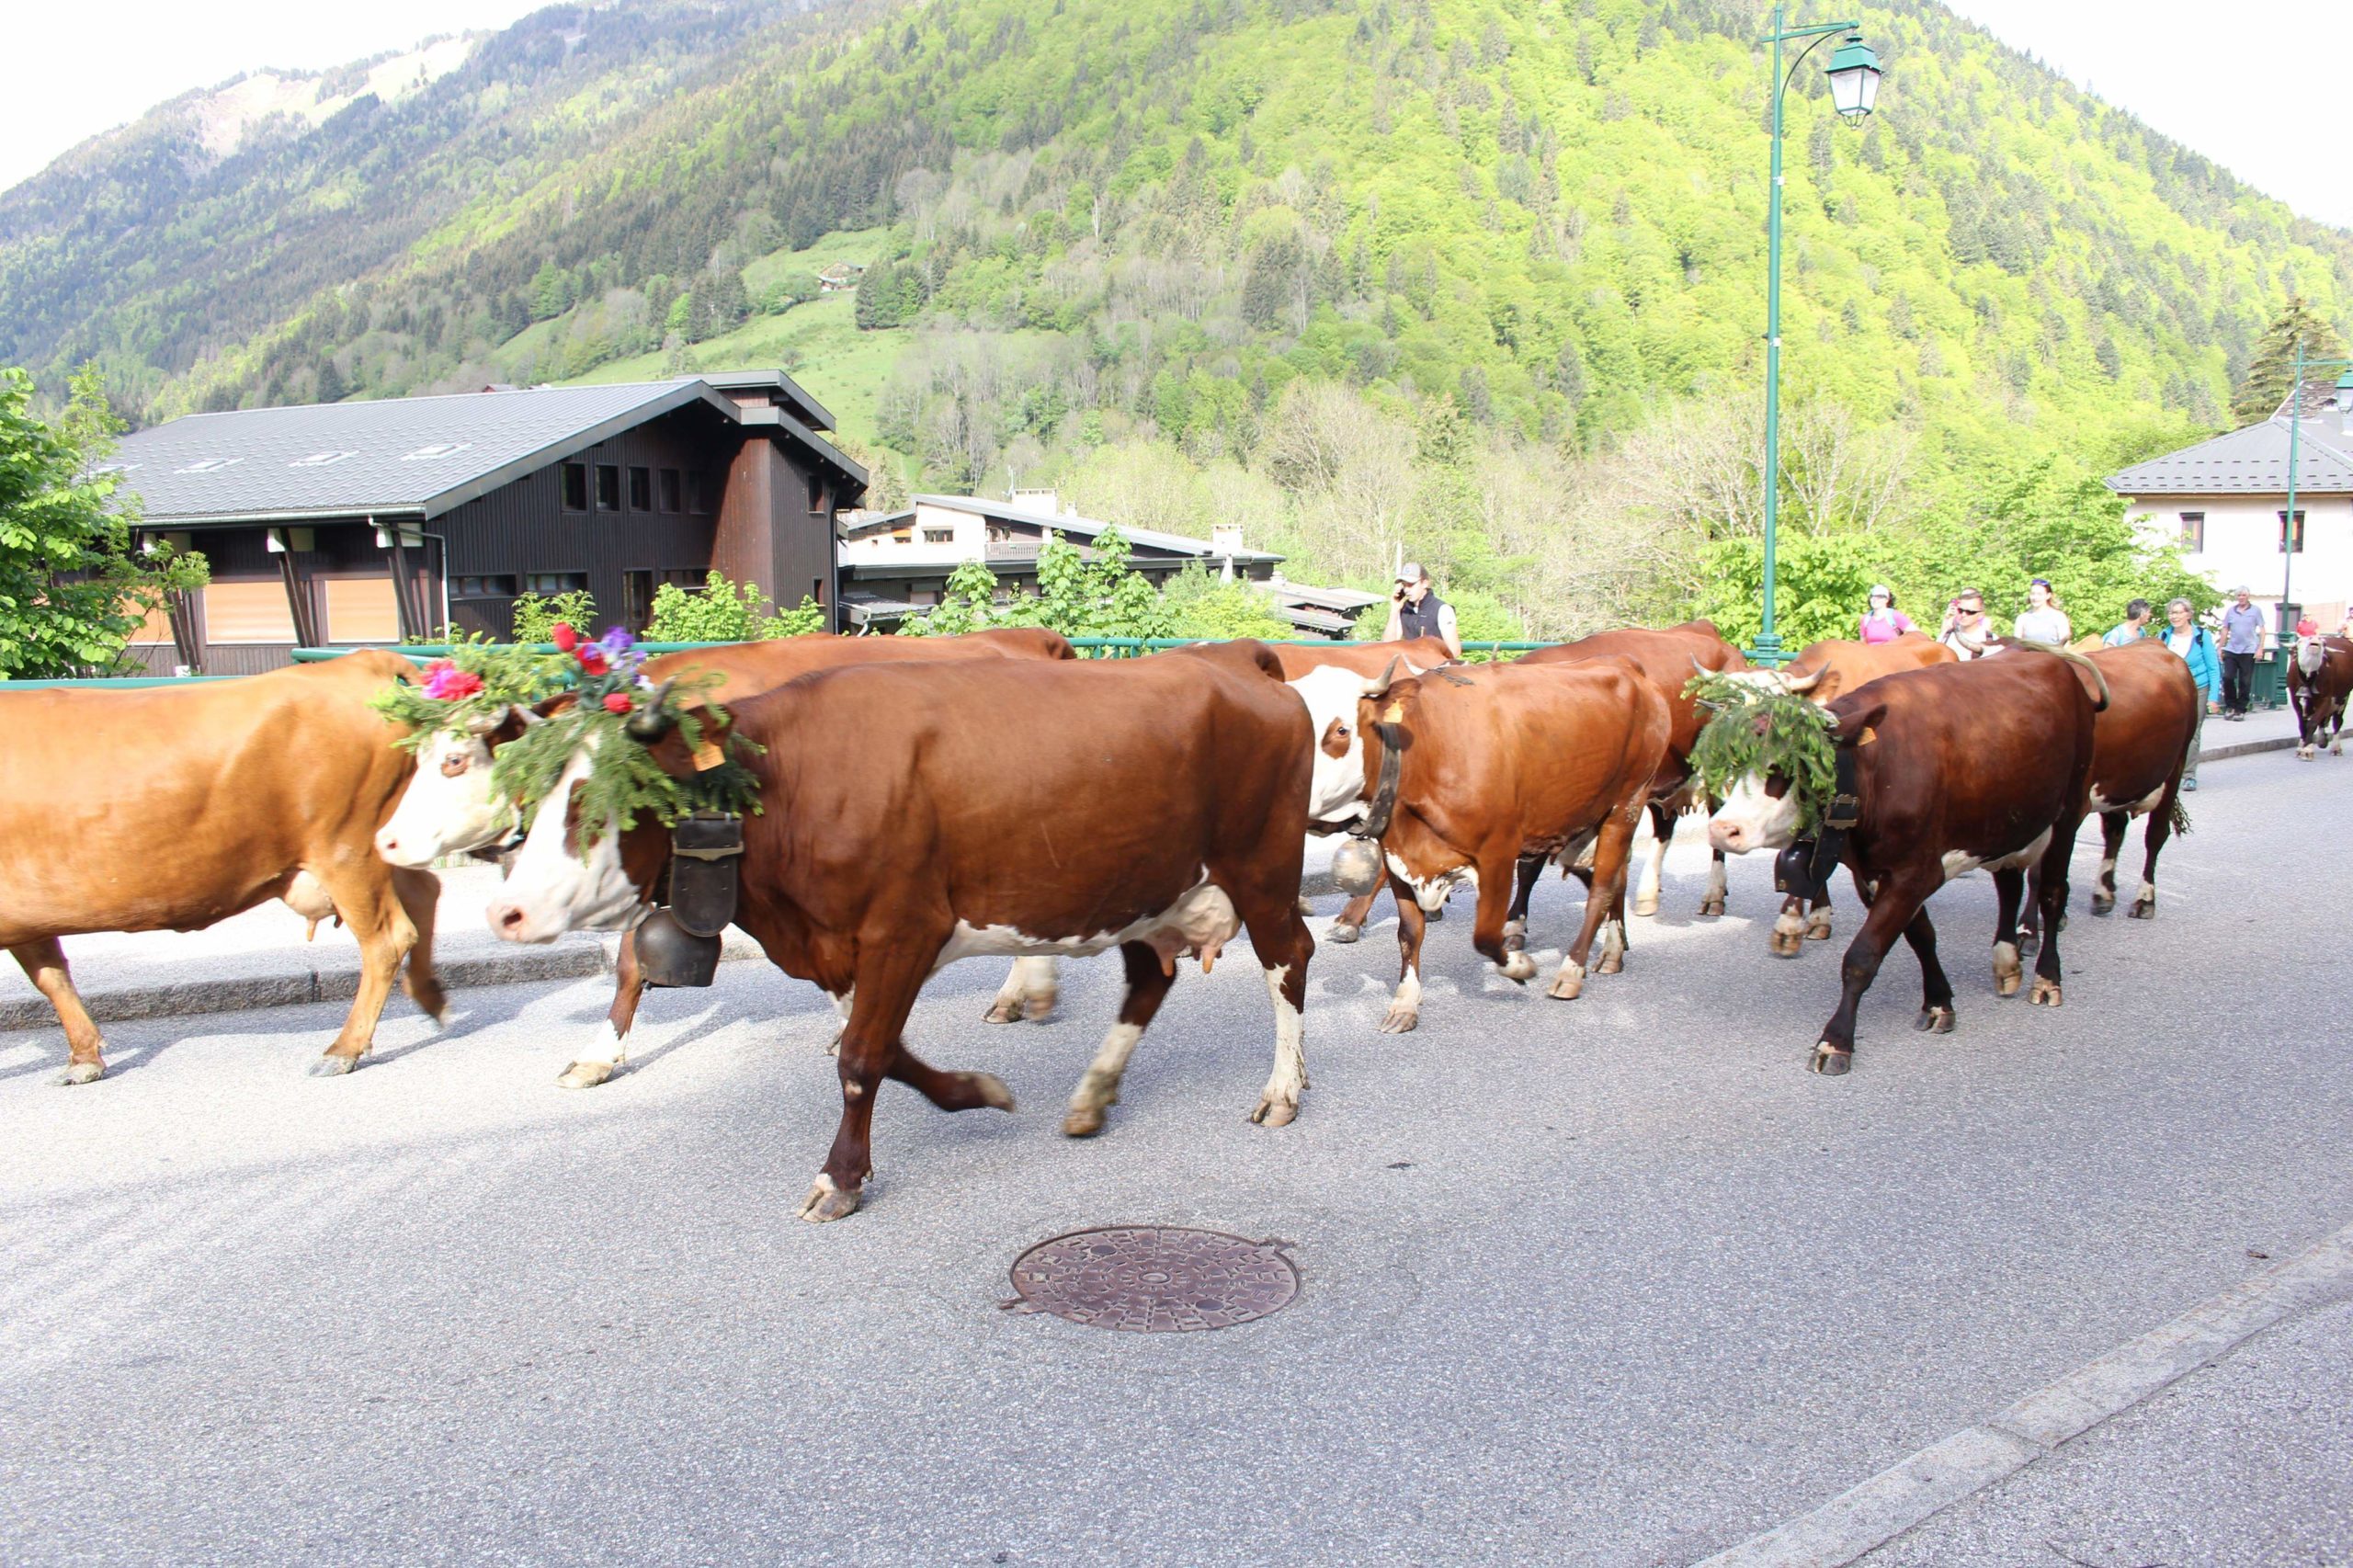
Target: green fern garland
477,681
1760,730
624,780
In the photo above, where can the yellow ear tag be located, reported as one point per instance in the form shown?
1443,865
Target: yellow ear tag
708,756
1393,714
1867,737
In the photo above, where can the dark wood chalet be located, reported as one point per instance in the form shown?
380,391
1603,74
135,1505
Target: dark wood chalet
367,522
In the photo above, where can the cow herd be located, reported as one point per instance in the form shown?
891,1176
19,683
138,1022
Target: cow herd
922,800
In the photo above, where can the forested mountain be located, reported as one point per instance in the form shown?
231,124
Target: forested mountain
1484,277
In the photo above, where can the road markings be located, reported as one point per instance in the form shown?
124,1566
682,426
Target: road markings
1869,1516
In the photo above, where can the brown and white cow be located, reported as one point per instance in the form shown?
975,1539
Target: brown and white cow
2320,681
1154,805
1956,766
451,809
169,808
1823,673
1366,659
1467,772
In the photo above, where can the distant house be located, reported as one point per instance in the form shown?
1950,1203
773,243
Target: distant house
369,522
1317,612
2224,502
842,275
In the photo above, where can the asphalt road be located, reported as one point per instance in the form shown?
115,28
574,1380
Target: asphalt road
1611,1281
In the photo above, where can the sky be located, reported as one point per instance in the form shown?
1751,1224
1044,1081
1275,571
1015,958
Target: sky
2179,67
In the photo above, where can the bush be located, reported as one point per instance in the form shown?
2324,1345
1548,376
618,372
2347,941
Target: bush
1202,605
723,611
535,616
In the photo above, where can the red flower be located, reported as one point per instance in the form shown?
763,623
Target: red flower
592,659
562,635
617,702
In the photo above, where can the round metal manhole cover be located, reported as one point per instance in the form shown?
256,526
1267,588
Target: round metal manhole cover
1154,1278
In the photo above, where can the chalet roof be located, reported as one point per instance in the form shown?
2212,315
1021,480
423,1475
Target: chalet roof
787,390
1345,599
2252,461
1069,525
410,457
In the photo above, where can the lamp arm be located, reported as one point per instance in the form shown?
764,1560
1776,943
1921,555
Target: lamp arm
1809,48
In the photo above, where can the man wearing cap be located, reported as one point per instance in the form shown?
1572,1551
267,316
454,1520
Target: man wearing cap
2242,641
1415,610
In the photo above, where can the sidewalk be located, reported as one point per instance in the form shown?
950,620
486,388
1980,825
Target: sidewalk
2271,730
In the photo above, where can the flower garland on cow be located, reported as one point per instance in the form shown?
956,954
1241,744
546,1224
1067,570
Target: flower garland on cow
1760,729
471,690
617,716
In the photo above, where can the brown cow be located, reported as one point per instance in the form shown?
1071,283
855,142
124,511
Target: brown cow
1956,766
1367,659
450,808
1156,805
1823,673
171,807
2320,681
1490,766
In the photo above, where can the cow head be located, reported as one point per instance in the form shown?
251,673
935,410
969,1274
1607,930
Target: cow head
447,806
1341,792
1764,804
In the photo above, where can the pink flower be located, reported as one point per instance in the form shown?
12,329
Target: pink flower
562,635
617,702
444,682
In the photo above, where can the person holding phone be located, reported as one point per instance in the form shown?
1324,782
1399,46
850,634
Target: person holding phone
1415,610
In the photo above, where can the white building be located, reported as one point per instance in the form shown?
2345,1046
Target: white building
2225,503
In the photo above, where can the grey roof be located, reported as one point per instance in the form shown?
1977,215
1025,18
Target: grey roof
777,382
397,457
1072,527
1322,598
2253,461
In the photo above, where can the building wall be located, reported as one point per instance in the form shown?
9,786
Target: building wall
775,527
2241,544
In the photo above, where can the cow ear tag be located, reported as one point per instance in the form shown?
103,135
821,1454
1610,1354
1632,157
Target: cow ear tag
707,756
1393,714
1867,737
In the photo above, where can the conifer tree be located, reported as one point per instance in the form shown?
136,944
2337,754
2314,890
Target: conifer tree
2264,388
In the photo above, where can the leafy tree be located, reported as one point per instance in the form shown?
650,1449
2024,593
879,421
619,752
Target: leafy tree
72,588
1080,594
2272,370
724,611
536,615
1205,606
552,291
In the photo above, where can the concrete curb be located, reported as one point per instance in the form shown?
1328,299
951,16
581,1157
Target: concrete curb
2246,748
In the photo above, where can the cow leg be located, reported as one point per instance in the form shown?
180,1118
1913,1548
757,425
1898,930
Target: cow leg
420,895
365,897
1283,944
2009,886
1031,991
611,1053
1531,868
1817,919
1605,897
1787,938
2144,902
1350,925
1936,990
1654,867
883,996
1712,904
44,963
2052,888
1148,984
1405,1007
1892,911
949,1091
2111,833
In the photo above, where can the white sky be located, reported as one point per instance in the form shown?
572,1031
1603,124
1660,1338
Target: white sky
2186,70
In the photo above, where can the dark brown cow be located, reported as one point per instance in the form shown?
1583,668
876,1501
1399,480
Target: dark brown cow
2320,679
1956,766
1154,805
1492,766
450,808
171,807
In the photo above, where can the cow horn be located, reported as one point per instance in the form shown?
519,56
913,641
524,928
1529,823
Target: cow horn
483,723
651,723
1388,676
1801,684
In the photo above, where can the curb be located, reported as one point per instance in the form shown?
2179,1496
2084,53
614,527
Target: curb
2246,748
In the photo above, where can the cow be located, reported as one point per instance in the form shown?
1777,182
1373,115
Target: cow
171,807
449,809
2320,679
1462,776
1941,769
1823,672
1154,805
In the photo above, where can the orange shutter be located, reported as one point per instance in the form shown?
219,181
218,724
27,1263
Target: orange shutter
252,611
156,626
361,609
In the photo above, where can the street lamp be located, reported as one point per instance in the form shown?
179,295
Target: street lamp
1854,89
2288,527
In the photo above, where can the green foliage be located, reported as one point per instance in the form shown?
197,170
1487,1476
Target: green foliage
72,588
536,615
2272,370
1202,605
502,676
723,611
1765,733
1080,593
1820,587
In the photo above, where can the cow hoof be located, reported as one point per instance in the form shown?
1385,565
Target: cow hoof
1520,969
1082,1121
1711,909
1817,930
2306,754
990,1090
1646,904
333,1066
81,1073
2142,909
825,1201
1515,938
1276,1110
1040,1009
1782,945
1400,1020
584,1075
2045,994
1567,987
1343,932
1934,1020
1831,1062
1611,963
1004,1010
2006,984
2103,904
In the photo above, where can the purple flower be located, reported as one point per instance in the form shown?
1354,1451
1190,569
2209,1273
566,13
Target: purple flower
616,641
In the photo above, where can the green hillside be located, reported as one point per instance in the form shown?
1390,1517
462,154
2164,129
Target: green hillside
1481,278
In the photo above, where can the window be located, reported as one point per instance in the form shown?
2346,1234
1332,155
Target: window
251,611
320,460
939,536
817,493
492,587
210,465
608,487
691,578
671,500
361,609
699,490
637,599
2193,532
641,490
553,582
2298,547
575,487
437,450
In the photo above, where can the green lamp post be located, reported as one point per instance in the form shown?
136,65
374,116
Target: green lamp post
2288,531
1854,75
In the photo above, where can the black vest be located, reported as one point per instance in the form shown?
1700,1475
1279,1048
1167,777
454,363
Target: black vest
1420,620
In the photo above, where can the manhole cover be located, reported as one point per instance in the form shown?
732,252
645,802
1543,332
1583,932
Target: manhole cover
1154,1278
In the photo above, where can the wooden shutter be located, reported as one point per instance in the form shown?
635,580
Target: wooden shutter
252,611
156,626
361,609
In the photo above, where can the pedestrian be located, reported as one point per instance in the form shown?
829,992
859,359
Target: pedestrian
1968,629
2187,640
2242,641
1415,610
1883,622
2043,621
2133,627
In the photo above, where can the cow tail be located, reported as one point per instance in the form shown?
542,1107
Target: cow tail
2178,816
